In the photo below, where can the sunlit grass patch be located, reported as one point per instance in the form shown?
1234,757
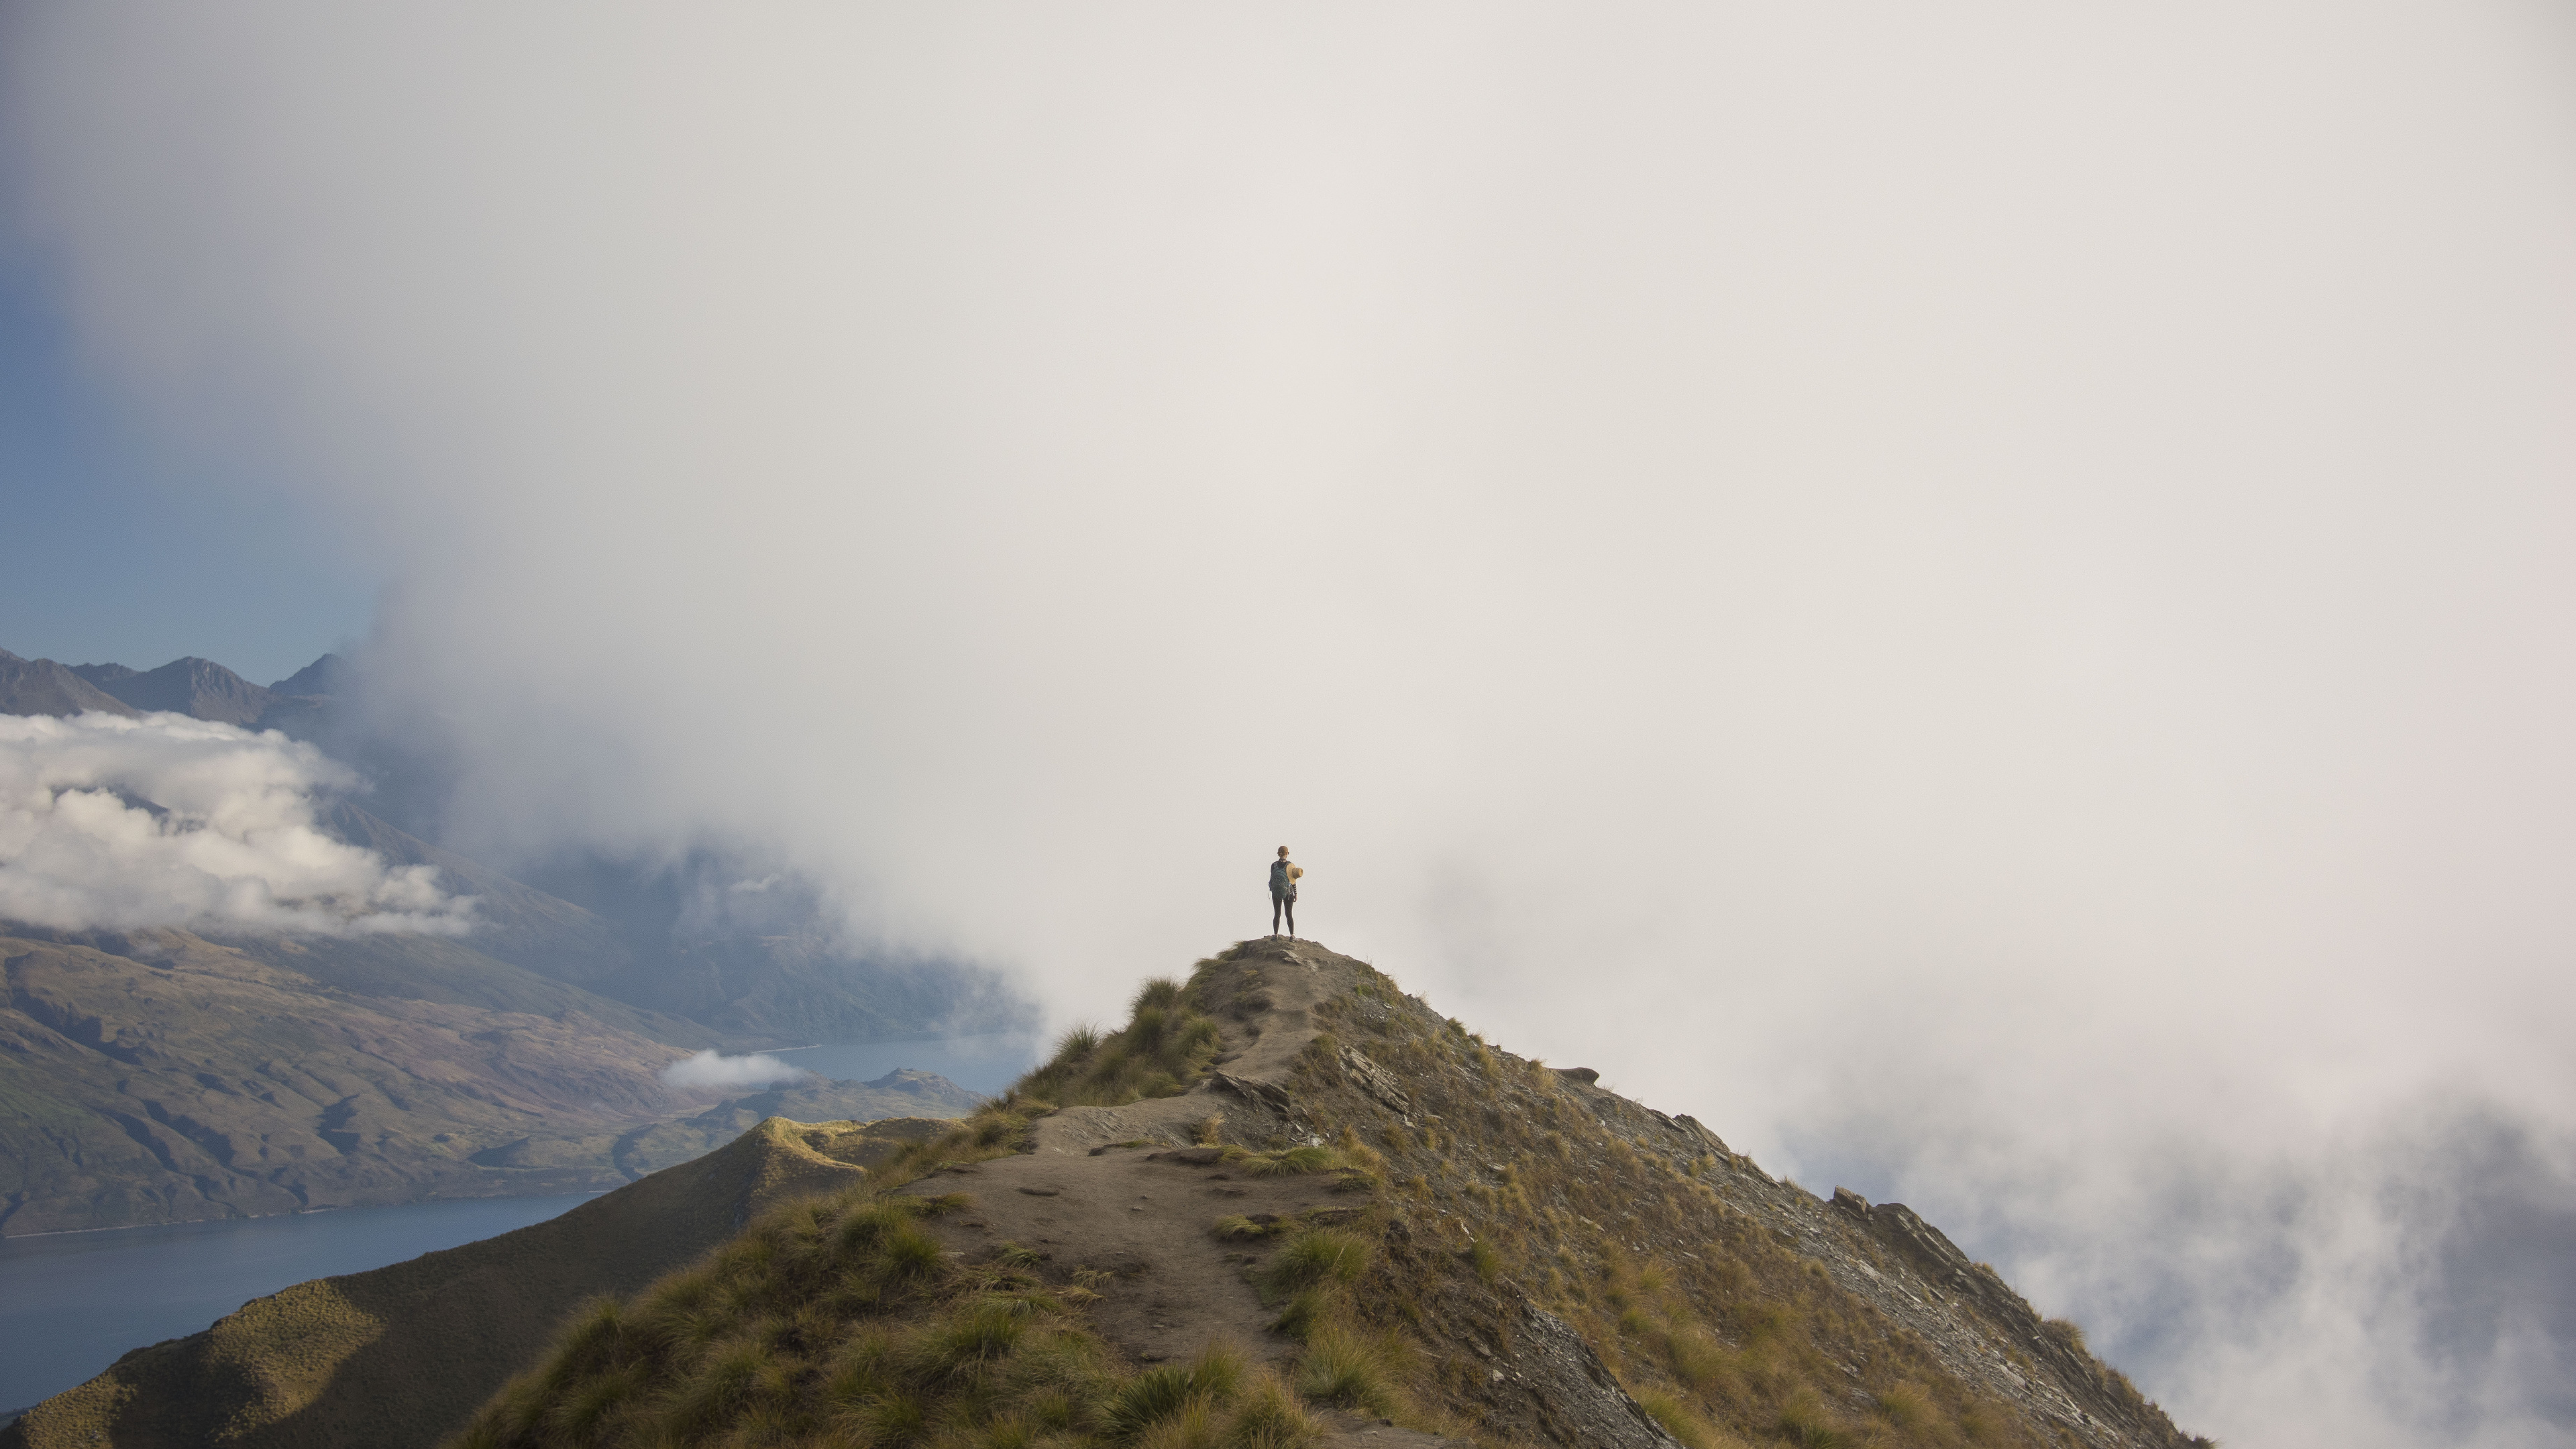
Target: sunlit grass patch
1166,1045
1289,1162
1353,1370
1320,1256
1237,1228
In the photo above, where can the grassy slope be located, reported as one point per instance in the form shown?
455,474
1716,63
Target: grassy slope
399,1357
839,1323
1518,1182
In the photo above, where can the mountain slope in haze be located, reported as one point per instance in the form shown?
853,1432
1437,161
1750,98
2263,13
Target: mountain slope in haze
165,1076
634,931
177,1079
1286,1204
41,686
401,1355
321,679
199,688
513,922
638,1151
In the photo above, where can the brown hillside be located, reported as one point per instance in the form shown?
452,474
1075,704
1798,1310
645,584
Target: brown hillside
401,1355
1289,1205
174,1079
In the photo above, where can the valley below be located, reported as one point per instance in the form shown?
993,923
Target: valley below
161,1076
515,1046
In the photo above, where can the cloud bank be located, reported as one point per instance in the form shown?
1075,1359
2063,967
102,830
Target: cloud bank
711,1070
171,821
1976,597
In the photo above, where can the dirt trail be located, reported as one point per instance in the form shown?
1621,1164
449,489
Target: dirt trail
1174,1285
1115,1198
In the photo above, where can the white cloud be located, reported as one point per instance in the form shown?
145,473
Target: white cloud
1971,594
170,821
713,1071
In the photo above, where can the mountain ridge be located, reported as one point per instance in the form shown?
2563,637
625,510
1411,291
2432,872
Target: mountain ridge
1286,1205
43,687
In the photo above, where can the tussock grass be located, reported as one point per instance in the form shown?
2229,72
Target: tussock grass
1166,1045
1351,1370
1684,1422
1316,1257
1289,1162
1656,1247
1234,1227
1213,1378
1807,1423
1908,1407
1482,1257
823,1322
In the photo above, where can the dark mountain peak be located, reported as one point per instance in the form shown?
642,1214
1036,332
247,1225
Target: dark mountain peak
104,675
41,686
193,686
325,676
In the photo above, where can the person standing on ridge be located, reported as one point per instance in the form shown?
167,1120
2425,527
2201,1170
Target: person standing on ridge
1283,892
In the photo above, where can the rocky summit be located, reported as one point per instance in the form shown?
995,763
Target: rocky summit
1285,1204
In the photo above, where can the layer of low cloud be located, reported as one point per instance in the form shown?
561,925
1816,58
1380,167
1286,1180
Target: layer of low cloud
117,823
713,1071
1975,597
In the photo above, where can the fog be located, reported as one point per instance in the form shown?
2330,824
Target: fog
1974,595
170,821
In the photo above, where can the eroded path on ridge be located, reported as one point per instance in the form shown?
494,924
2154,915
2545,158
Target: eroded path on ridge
1136,1230
1122,1201
1113,1193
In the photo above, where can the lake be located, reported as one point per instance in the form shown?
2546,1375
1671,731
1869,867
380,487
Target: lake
73,1303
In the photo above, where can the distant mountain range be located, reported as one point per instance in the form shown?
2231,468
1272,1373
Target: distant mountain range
165,1076
614,927
172,1075
199,688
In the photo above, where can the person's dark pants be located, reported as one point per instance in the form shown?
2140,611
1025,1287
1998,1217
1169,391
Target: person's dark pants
1283,903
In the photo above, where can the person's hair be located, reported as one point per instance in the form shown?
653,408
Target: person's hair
1283,850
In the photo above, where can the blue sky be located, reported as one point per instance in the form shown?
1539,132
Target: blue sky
122,547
